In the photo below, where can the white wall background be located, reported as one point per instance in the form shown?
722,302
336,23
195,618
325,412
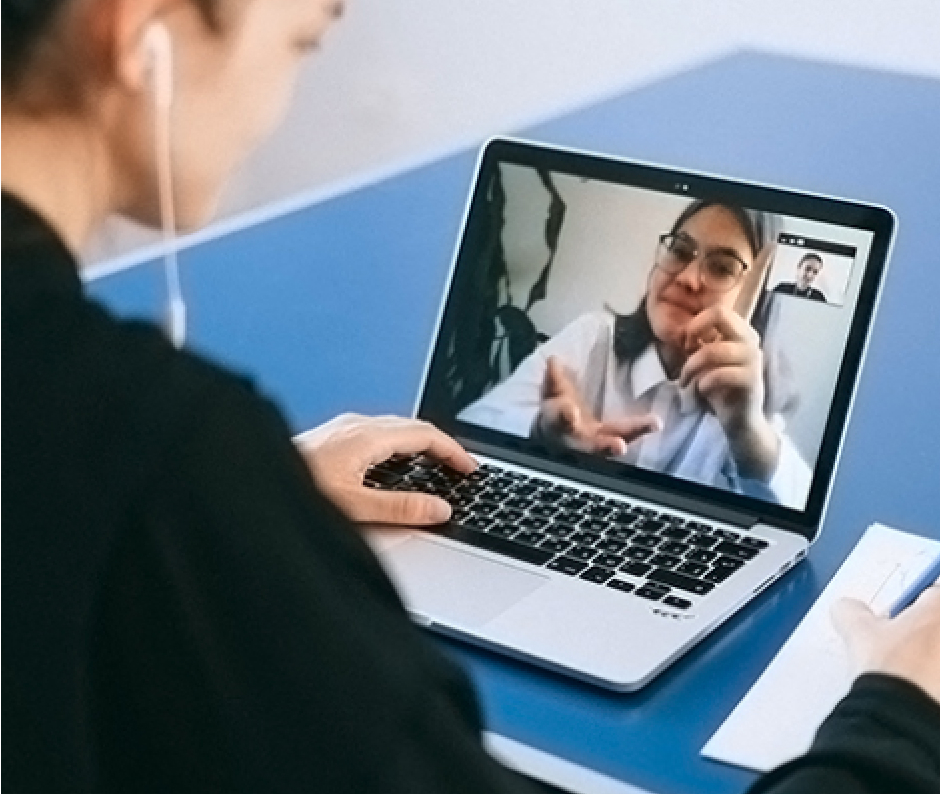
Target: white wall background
401,81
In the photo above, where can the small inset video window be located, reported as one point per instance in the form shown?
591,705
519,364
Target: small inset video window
815,270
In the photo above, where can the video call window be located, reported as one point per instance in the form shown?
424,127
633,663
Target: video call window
587,289
816,270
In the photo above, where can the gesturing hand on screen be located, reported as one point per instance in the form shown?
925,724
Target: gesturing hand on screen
565,420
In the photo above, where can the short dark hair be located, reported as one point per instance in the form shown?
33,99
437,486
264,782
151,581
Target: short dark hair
810,255
30,47
25,23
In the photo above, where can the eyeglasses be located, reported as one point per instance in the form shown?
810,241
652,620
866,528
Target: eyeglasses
720,270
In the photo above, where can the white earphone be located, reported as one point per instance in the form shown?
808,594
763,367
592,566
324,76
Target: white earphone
159,52
158,48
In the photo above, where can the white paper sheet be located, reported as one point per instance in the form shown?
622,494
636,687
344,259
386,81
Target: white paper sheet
777,719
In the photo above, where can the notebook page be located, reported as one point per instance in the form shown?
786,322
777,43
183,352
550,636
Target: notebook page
777,719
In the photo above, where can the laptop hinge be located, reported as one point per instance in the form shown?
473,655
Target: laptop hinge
648,493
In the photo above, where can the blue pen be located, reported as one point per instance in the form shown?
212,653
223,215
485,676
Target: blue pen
921,583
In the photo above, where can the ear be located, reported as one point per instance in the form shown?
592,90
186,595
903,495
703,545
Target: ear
122,26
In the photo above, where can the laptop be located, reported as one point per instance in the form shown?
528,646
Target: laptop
654,368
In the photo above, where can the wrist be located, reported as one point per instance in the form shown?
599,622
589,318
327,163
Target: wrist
755,447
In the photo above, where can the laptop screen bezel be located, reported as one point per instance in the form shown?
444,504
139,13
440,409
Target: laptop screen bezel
630,480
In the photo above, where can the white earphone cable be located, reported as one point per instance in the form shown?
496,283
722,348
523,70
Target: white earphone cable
163,74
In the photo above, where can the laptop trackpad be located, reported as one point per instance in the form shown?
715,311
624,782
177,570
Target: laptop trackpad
456,587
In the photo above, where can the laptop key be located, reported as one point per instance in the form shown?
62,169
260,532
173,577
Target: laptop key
619,533
484,508
754,543
718,575
593,525
466,489
509,515
529,537
728,563
652,593
623,518
692,568
567,565
597,575
551,496
701,555
621,585
673,547
480,523
503,530
382,477
680,581
585,538
676,602
554,545
609,560
558,530
676,533
636,568
736,550
650,541
572,517
396,465
543,511
664,561
610,546
638,553
582,553
491,542
533,522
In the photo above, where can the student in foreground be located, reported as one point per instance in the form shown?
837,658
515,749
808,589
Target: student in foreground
187,606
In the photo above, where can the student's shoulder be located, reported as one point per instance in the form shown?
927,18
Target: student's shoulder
173,394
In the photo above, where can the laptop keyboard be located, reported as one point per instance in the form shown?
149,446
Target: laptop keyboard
609,542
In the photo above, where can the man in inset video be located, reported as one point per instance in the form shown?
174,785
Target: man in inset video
807,270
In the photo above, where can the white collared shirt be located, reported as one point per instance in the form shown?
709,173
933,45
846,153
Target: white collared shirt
692,443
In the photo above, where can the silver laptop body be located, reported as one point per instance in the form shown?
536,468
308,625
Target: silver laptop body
566,239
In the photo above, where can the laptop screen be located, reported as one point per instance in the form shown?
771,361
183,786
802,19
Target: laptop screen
652,326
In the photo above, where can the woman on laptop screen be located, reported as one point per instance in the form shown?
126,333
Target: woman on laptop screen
681,385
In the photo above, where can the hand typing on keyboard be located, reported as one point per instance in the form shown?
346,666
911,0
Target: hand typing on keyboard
565,420
340,452
605,540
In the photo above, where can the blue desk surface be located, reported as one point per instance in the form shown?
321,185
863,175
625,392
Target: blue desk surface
331,308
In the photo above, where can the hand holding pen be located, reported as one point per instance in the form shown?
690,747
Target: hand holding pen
906,642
